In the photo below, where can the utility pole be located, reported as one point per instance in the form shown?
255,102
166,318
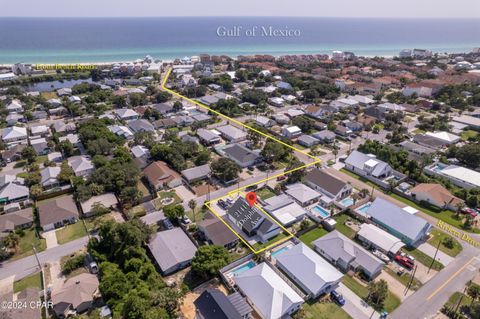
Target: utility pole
36,257
460,300
434,256
411,280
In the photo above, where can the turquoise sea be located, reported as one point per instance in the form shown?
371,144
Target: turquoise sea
70,40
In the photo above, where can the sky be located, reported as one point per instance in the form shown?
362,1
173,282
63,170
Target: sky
318,8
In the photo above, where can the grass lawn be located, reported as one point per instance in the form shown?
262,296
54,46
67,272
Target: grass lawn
455,298
49,95
273,240
162,195
143,189
390,304
95,221
71,232
22,175
265,193
341,227
324,310
24,247
41,159
312,235
404,279
360,178
423,258
465,135
33,281
439,236
444,215
298,146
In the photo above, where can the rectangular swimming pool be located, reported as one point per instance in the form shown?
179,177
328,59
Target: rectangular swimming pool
281,250
364,208
244,268
346,202
321,211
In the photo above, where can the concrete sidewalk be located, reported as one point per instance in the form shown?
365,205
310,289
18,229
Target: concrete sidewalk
355,306
51,238
428,249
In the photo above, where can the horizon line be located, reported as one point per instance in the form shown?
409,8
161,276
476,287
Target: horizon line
241,16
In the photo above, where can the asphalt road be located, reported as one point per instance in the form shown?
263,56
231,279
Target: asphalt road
28,265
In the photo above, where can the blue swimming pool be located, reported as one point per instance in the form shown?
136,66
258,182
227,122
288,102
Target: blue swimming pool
364,208
281,250
346,202
243,268
321,211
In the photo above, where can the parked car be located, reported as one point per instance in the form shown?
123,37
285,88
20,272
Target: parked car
251,168
167,224
469,211
337,297
185,220
281,178
404,261
222,204
383,314
407,256
251,188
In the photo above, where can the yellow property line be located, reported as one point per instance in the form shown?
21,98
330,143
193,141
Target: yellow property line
207,204
450,279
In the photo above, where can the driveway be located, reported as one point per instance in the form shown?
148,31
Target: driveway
430,251
184,193
355,306
395,286
51,238
6,285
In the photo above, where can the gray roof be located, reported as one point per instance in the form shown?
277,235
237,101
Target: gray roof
196,172
9,221
272,296
380,238
57,209
416,148
12,191
231,132
171,247
207,135
396,218
141,125
325,181
246,217
324,135
307,267
240,153
337,246
302,193
358,159
213,304
277,202
307,140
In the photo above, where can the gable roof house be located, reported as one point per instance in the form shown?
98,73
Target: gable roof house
14,106
347,255
20,219
311,272
196,173
107,200
436,195
232,133
409,228
284,209
14,134
172,250
141,125
207,137
126,114
367,165
49,177
81,165
159,176
303,194
57,212
216,232
269,295
247,218
241,155
11,192
213,304
76,295
332,188
379,239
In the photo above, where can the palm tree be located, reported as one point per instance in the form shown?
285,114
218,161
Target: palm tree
459,206
192,204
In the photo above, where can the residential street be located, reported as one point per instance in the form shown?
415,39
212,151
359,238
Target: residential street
28,265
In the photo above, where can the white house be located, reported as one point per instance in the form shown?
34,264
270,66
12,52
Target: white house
14,134
367,165
291,131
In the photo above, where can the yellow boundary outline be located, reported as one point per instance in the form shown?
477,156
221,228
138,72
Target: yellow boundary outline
316,161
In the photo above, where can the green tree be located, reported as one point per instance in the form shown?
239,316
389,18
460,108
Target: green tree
377,292
66,147
274,151
225,169
209,259
29,154
192,204
173,212
254,138
473,291
66,173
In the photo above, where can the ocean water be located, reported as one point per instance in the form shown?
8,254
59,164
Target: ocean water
70,40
